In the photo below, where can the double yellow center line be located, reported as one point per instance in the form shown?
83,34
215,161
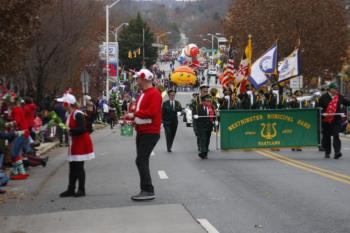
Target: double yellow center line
306,167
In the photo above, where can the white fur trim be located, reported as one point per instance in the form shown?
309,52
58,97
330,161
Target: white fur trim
84,157
140,121
76,112
139,102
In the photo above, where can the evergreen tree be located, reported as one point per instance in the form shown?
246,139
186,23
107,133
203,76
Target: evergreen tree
131,39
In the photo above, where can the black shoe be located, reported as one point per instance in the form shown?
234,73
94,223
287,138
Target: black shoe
201,155
2,191
327,156
35,144
44,161
4,184
293,149
321,149
68,193
338,156
169,150
80,193
143,196
299,150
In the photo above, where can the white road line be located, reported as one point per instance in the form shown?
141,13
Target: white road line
163,175
207,226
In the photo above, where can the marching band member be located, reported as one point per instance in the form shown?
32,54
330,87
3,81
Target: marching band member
332,103
205,123
171,110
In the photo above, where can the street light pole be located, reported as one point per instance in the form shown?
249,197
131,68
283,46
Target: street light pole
212,48
116,40
117,30
212,43
107,45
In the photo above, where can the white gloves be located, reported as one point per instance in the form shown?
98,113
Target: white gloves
195,117
179,113
140,121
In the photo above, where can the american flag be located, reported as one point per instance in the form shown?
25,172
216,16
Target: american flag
229,71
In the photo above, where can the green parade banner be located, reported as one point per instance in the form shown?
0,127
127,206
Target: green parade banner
243,129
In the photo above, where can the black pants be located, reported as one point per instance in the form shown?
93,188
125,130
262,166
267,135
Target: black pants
145,144
170,132
195,130
204,135
76,173
329,131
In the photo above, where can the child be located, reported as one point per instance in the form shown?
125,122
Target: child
80,148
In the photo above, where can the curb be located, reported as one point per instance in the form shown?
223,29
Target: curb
99,126
46,147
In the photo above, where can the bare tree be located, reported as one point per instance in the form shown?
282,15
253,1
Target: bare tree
321,27
19,21
69,30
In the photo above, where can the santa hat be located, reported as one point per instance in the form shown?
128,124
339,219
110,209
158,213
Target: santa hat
145,74
67,98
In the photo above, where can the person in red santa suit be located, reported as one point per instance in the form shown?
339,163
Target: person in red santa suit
80,149
147,118
18,121
29,109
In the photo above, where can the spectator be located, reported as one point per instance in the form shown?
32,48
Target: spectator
19,121
62,114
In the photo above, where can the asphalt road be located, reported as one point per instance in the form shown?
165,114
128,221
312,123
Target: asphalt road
236,191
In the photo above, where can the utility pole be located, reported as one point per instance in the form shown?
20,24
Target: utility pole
143,48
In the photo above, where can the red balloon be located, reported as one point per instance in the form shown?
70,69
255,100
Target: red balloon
194,52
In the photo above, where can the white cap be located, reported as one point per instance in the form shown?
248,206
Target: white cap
67,98
145,74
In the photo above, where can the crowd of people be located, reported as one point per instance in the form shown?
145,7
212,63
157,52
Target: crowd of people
206,104
26,125
21,130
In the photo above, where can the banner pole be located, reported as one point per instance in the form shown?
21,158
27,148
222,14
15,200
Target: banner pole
217,132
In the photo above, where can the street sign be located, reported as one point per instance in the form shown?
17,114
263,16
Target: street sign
157,45
112,71
113,48
85,81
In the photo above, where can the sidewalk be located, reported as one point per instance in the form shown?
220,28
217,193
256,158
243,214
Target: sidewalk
18,190
135,219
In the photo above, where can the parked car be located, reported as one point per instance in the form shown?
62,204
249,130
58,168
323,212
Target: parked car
187,116
212,71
